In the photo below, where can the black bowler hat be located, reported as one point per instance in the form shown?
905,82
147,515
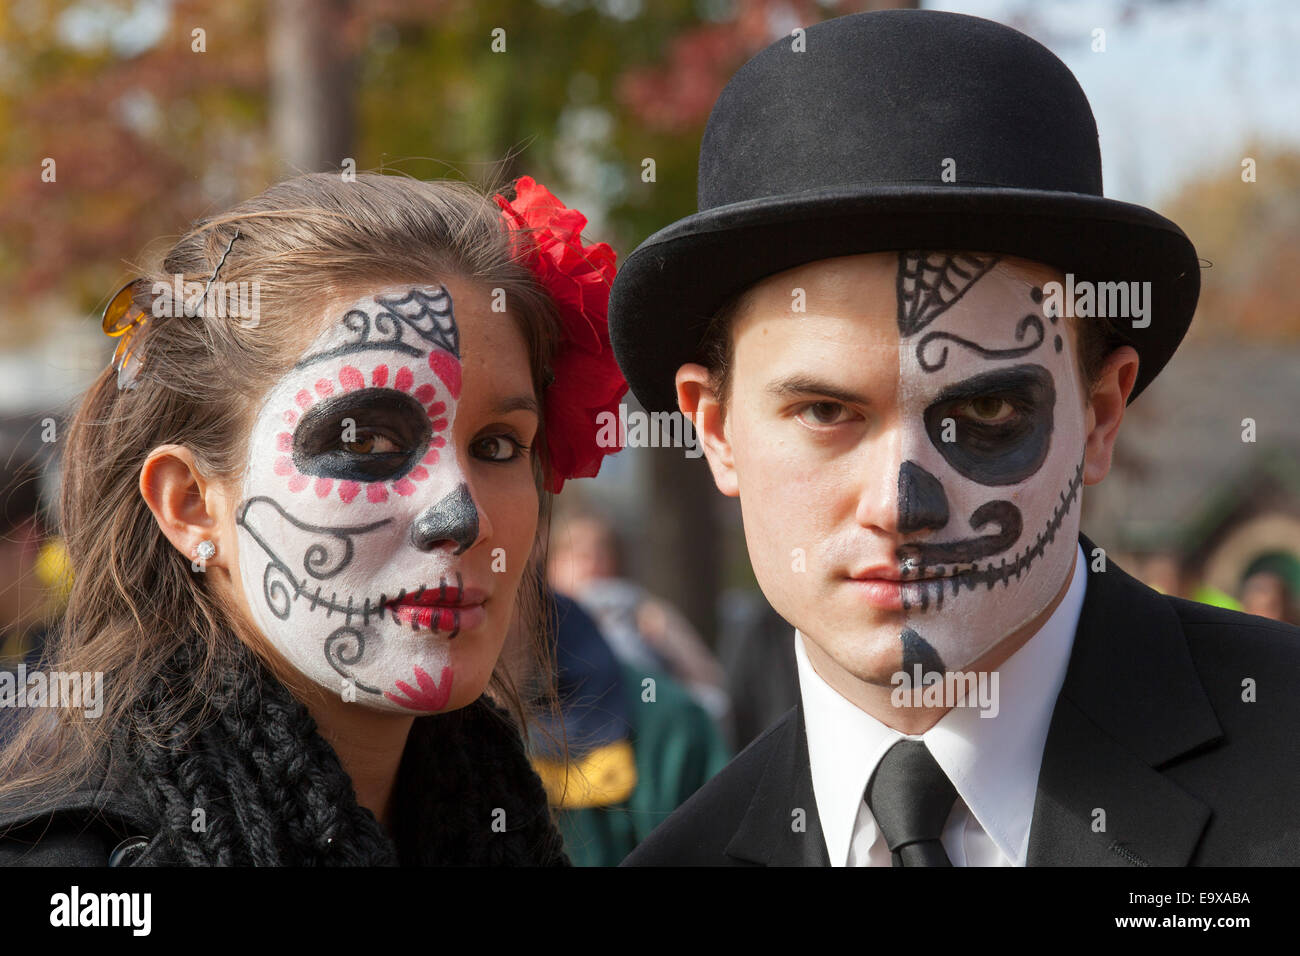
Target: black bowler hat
840,149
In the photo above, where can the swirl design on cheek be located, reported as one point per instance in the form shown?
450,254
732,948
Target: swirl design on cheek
344,649
277,594
280,585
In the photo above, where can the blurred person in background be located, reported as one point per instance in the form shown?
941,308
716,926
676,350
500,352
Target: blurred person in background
586,562
628,746
1267,592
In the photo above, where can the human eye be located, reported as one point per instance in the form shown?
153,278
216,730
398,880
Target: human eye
368,435
823,413
501,447
370,442
989,410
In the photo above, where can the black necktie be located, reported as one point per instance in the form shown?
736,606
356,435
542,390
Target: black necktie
910,797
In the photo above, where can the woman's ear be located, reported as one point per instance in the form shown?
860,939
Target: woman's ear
699,403
1105,411
188,507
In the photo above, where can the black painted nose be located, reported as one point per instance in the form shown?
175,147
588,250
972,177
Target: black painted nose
922,505
454,518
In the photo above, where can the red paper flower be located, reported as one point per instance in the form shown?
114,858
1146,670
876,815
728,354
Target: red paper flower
578,277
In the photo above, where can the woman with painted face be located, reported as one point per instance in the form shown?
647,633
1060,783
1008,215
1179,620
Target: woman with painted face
300,510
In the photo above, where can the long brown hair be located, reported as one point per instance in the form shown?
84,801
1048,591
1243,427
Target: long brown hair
133,598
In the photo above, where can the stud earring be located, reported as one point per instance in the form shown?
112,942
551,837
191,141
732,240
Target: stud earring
205,550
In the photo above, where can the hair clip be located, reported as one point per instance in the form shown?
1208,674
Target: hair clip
122,319
220,262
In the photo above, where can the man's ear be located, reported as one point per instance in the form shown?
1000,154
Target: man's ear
188,507
1105,411
696,399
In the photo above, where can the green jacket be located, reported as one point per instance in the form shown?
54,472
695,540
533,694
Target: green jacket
677,749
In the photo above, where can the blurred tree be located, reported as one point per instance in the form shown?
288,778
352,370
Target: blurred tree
1248,233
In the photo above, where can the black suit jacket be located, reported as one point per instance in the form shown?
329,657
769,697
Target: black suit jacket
1150,727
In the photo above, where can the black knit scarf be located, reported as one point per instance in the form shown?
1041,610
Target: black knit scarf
273,793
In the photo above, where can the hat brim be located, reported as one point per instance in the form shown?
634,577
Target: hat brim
670,287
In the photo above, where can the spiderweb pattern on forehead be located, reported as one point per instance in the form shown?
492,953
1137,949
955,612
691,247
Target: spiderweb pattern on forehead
931,283
430,315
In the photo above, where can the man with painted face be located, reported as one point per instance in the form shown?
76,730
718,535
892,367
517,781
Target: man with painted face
886,325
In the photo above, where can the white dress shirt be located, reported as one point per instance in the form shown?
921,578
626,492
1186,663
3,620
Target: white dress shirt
992,762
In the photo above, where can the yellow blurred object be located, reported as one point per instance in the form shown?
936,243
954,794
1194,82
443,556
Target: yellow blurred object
606,775
1213,596
53,569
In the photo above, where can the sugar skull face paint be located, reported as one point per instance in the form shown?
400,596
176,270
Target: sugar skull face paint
992,456
908,453
360,512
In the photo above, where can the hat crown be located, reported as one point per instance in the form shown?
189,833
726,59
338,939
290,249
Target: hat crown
900,97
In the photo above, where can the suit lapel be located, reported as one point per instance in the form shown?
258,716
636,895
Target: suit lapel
769,833
1131,702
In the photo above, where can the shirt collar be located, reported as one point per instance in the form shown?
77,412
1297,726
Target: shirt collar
992,761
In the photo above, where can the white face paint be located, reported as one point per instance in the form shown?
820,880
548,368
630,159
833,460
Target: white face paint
992,451
355,506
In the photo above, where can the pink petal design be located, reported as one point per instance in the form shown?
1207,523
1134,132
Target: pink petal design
447,366
376,492
404,486
424,394
404,379
430,457
351,378
323,486
438,441
324,387
439,424
379,377
290,416
303,398
348,490
284,465
419,473
298,482
284,442
430,697
437,408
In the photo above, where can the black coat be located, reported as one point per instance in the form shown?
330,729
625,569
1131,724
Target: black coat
107,821
1150,725
99,824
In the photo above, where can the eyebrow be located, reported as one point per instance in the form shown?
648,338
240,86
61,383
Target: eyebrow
797,385
525,403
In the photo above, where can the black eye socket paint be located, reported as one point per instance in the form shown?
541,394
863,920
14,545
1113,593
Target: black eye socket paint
318,438
1003,453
